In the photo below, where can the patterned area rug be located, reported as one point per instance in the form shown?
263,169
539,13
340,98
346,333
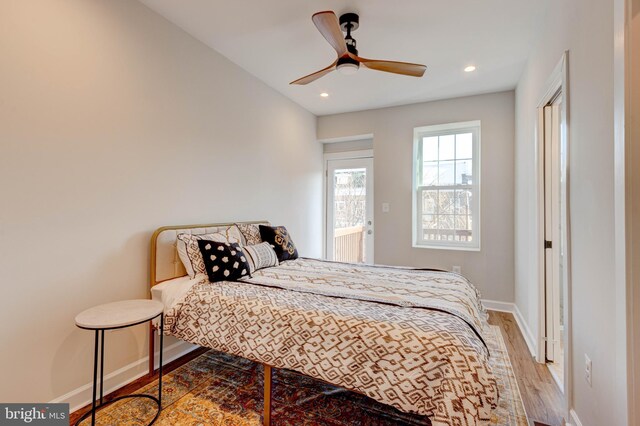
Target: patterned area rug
220,389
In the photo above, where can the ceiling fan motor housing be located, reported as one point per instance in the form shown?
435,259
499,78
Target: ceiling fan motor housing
347,60
349,19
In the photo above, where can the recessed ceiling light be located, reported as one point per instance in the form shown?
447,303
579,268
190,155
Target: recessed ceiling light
324,94
470,68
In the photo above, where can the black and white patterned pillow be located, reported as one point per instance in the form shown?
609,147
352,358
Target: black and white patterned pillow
280,240
189,252
251,232
260,256
223,261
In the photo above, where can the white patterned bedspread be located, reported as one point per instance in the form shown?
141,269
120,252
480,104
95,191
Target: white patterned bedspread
407,338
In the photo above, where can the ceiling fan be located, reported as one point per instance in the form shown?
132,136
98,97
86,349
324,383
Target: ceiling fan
348,61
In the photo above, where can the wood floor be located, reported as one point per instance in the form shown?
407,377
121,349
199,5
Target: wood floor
541,396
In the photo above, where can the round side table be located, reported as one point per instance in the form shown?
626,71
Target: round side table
112,316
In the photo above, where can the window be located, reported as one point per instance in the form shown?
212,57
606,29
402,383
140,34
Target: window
446,189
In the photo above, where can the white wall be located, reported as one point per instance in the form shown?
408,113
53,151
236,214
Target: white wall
491,269
585,28
356,145
114,122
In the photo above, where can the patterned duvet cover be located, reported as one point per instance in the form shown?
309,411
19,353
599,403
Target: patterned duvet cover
408,338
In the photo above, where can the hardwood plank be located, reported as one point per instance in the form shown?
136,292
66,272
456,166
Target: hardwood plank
543,400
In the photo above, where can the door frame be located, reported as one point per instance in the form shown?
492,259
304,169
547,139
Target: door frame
627,207
557,83
346,155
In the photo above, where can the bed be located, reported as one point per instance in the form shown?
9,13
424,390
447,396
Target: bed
406,337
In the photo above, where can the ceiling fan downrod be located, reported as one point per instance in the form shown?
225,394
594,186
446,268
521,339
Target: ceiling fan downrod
350,22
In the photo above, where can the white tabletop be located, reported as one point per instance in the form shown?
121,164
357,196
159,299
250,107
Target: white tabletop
119,314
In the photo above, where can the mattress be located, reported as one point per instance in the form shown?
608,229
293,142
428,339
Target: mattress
169,291
407,338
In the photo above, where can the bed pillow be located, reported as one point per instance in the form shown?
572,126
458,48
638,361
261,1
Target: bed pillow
189,252
279,238
251,232
223,261
260,256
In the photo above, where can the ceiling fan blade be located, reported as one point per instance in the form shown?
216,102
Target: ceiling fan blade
316,75
404,68
328,25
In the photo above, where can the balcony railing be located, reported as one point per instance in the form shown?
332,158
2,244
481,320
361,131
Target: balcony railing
446,235
348,244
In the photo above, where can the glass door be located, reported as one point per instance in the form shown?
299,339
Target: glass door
350,210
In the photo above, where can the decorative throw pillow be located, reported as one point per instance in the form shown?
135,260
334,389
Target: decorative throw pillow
189,252
279,238
251,232
260,256
223,261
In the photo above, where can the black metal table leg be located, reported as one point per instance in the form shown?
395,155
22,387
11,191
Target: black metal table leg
99,341
95,378
101,365
161,350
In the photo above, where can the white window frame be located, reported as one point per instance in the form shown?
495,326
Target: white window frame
419,133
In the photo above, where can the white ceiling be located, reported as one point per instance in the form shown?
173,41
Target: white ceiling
276,41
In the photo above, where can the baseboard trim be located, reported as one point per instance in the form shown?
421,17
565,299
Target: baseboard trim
512,308
575,420
495,305
113,381
526,332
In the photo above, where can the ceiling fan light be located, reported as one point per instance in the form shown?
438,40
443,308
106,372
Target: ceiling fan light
347,68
